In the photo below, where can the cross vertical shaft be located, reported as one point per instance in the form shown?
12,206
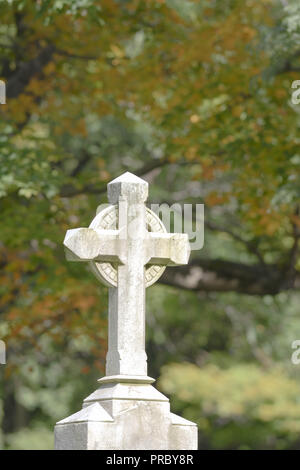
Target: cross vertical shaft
126,336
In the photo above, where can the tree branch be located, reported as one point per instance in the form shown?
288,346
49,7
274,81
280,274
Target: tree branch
216,275
70,190
82,162
24,72
75,56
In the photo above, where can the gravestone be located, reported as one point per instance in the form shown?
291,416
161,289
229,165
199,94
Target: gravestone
128,248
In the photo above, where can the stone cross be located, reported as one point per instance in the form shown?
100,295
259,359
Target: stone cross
127,248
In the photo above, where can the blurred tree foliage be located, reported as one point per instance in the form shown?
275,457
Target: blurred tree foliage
194,96
240,407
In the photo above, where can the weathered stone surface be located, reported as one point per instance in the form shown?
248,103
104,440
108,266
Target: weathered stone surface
125,416
126,412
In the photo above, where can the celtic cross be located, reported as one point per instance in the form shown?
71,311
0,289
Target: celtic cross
128,249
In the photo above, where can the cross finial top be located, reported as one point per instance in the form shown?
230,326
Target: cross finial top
129,186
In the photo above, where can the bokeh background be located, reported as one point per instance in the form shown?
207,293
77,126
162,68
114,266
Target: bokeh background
195,97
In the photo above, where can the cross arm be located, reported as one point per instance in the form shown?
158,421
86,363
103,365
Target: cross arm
87,244
170,249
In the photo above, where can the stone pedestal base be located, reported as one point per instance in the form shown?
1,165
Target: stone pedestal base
125,416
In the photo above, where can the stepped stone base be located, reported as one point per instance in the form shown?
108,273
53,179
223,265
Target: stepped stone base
125,416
